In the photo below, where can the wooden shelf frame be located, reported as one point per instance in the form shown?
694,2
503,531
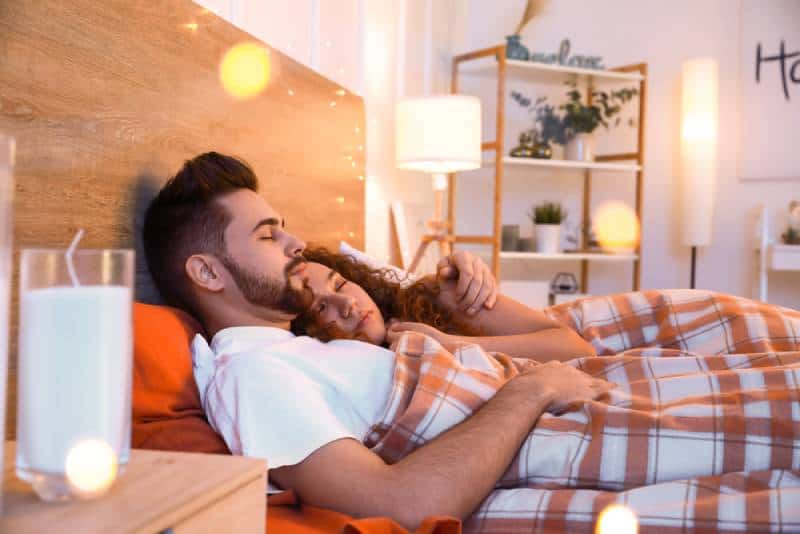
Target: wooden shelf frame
636,73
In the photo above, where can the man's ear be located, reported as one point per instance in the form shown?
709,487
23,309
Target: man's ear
204,271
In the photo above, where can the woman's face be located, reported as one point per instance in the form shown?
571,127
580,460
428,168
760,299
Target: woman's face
343,308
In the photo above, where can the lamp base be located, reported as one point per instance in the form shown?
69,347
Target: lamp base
437,226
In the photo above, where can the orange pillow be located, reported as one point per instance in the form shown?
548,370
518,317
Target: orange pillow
167,413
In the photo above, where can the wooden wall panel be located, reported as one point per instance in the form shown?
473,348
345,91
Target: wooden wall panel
107,99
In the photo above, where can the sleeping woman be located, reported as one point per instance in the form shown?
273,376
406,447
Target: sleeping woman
352,301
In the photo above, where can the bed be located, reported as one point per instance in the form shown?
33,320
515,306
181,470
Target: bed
107,99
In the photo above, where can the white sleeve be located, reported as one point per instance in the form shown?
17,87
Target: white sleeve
276,412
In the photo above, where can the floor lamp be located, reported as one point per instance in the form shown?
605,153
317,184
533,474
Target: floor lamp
439,135
699,125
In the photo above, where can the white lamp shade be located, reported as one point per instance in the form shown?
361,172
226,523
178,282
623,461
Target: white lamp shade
438,134
699,125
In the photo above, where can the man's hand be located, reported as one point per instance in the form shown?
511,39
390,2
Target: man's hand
566,385
476,286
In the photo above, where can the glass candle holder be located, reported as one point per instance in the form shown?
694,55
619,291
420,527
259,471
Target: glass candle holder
75,358
6,211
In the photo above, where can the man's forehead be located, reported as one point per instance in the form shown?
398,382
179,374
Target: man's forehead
248,208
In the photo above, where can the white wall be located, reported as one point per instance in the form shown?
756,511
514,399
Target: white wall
381,49
663,34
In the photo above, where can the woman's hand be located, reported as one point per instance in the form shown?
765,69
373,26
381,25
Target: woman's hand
396,329
566,385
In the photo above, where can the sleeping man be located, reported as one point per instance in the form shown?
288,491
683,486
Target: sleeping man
218,250
701,432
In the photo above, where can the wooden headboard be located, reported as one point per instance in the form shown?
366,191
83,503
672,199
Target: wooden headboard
107,99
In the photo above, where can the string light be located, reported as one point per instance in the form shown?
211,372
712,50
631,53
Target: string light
361,148
341,92
333,103
358,129
340,200
291,93
352,234
360,178
191,26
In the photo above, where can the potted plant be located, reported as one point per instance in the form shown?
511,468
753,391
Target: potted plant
547,219
548,126
581,119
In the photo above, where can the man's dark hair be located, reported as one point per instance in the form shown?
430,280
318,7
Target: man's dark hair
185,218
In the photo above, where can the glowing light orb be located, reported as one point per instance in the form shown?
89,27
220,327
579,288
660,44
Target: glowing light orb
91,467
617,227
245,70
617,519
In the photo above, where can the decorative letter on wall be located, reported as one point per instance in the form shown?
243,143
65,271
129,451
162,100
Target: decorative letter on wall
770,97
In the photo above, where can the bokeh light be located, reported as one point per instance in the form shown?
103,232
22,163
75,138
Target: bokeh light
91,467
617,519
245,70
617,227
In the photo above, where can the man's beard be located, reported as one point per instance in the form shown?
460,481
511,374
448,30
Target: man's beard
262,291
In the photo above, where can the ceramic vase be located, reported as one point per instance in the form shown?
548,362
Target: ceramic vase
515,49
548,238
580,148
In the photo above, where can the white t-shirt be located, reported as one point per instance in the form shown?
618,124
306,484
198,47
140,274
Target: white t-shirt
273,395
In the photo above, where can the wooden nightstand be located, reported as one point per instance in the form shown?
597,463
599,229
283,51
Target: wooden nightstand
160,490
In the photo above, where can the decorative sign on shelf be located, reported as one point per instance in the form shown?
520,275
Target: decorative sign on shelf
562,57
770,89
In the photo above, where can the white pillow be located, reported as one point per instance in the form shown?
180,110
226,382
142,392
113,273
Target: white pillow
405,278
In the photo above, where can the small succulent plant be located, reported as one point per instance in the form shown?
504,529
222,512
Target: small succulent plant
547,213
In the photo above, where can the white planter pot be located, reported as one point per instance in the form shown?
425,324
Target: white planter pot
580,148
548,238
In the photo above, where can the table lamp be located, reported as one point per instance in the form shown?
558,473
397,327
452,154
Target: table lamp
699,124
439,135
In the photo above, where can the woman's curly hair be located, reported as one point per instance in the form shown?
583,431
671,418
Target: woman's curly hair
416,302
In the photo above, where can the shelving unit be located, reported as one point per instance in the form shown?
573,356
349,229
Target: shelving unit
493,62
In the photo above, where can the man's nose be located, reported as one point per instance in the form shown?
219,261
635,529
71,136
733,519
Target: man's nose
294,246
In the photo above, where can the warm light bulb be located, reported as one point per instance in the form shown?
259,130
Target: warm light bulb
617,227
245,70
340,200
617,519
91,467
341,92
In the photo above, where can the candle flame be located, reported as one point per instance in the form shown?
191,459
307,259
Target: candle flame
617,519
91,467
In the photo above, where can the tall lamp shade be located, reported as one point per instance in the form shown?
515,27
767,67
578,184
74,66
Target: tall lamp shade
699,126
439,135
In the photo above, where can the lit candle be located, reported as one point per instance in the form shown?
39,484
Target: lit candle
75,354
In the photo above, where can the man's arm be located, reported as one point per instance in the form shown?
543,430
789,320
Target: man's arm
551,343
450,475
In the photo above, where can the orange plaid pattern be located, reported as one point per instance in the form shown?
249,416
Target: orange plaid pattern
687,441
700,321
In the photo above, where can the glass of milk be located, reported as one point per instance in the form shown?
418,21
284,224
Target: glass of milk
6,207
75,358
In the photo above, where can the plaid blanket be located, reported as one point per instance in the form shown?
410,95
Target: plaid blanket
701,321
687,441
